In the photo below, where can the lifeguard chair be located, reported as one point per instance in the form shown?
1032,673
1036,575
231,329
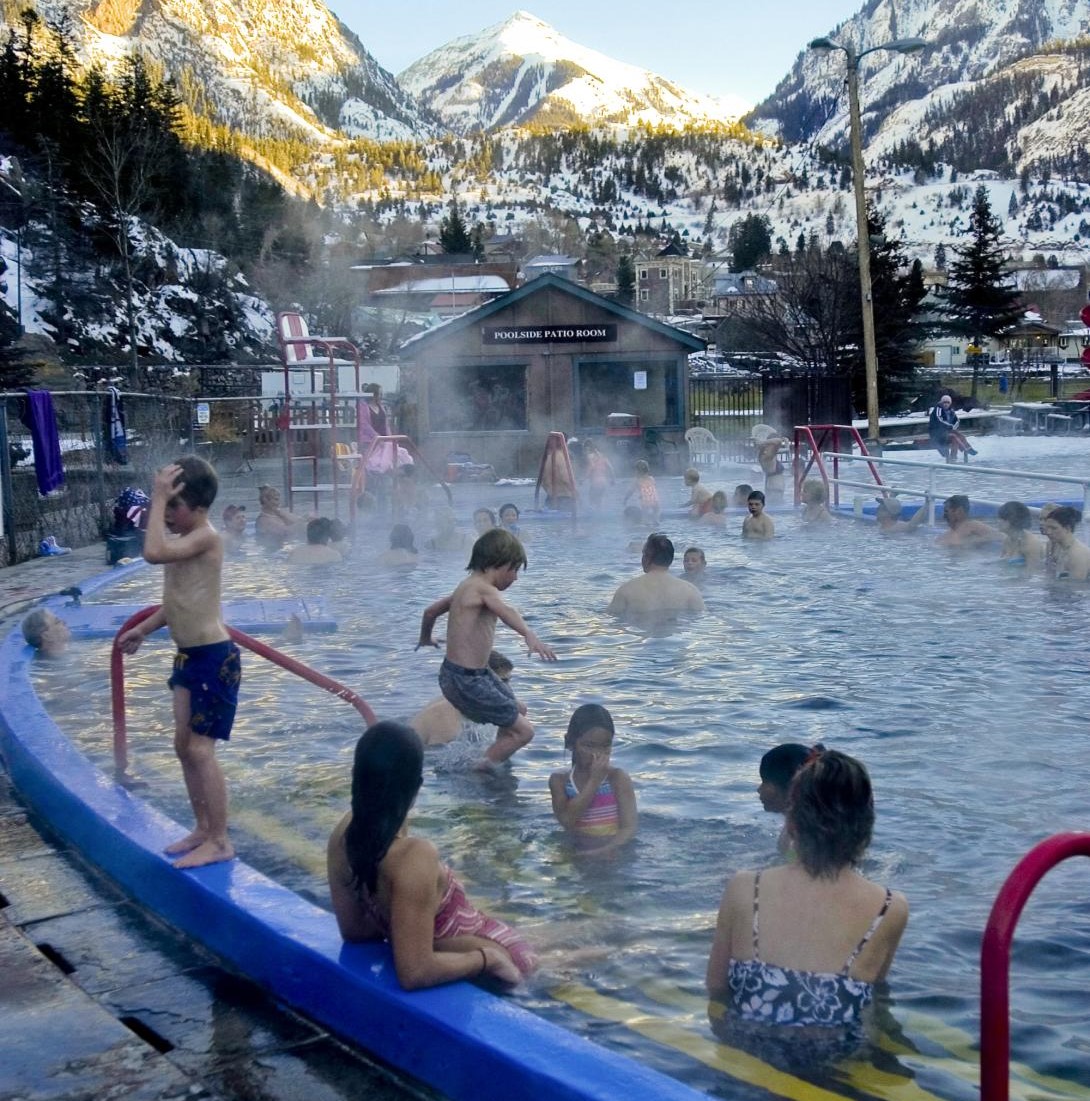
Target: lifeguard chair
317,411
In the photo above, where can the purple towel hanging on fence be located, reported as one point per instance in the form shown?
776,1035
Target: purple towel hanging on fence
42,422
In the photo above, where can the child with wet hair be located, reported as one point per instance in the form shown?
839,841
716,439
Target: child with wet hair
741,495
758,524
465,679
716,512
815,499
593,800
402,550
699,495
777,769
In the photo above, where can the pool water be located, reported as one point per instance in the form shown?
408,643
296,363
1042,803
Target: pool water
960,684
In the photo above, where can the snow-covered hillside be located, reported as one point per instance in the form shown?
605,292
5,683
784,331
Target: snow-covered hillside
522,71
262,68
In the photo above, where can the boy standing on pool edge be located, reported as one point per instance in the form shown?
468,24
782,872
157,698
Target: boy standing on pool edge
207,668
465,679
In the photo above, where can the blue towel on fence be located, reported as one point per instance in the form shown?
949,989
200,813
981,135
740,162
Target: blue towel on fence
42,422
115,424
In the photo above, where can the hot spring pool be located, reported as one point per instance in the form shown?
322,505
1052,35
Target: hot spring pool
961,686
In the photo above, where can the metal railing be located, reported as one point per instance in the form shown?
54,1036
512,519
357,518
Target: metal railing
928,493
995,957
117,681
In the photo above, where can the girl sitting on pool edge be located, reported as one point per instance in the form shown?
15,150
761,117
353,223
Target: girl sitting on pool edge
388,885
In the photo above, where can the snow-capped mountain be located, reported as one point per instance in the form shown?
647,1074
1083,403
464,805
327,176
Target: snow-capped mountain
287,69
970,42
523,71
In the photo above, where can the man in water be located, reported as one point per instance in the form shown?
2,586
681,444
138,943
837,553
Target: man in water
961,531
657,590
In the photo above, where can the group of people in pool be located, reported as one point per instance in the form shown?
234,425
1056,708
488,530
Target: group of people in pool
801,943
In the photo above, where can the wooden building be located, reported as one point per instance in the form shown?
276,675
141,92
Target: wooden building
548,356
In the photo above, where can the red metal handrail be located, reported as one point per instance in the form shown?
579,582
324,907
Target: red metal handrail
817,435
995,953
117,680
359,475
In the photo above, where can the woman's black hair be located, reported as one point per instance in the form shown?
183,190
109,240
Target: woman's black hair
387,771
830,813
588,716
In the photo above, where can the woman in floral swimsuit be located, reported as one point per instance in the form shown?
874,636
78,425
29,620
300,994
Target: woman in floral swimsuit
803,944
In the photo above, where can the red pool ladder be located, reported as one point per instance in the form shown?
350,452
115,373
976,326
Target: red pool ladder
995,957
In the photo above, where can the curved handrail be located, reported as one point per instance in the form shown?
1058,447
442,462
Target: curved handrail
816,435
995,1037
117,680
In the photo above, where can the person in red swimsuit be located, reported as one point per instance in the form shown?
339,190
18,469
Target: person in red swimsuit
388,885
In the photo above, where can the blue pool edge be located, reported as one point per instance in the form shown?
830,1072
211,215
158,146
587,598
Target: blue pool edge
463,1041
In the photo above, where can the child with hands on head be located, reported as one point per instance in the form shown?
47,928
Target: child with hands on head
593,800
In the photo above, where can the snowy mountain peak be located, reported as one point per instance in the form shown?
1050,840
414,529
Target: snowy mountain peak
524,71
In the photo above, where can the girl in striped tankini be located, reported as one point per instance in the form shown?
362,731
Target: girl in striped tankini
593,800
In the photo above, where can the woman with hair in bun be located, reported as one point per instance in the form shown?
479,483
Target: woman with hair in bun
387,885
802,944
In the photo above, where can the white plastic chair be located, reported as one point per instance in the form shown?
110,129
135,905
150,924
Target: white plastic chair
703,447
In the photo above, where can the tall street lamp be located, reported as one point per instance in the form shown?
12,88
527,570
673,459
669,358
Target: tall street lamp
870,354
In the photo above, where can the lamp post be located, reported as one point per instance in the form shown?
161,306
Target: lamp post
870,353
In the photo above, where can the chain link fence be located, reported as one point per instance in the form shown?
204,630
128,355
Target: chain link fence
79,512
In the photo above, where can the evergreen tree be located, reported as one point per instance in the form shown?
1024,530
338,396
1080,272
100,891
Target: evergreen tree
940,257
750,241
453,234
979,301
626,280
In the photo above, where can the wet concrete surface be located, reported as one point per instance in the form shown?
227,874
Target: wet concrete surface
99,1000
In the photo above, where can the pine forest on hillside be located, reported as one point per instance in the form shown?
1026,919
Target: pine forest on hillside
138,195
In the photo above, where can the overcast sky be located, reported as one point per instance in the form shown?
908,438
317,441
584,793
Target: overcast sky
720,47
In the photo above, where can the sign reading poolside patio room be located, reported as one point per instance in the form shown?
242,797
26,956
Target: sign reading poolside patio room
549,334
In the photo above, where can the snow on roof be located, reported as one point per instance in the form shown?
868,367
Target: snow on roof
458,284
549,261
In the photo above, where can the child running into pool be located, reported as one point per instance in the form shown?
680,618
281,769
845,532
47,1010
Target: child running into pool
207,669
593,800
465,679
